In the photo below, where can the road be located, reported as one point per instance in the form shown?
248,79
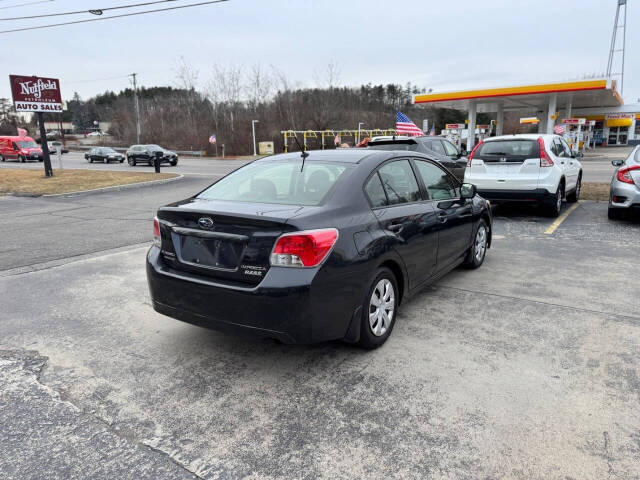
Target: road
527,368
596,169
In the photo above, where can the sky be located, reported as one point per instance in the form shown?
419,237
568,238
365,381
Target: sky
438,44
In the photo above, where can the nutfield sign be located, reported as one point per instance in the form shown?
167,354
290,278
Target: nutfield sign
36,94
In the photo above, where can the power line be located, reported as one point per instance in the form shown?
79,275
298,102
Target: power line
24,4
94,11
112,16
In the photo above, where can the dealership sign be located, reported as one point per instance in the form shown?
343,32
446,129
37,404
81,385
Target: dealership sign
36,94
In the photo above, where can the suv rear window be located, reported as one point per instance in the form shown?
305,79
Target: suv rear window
513,150
278,182
410,145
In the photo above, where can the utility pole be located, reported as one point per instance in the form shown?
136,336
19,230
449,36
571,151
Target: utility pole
253,128
135,95
48,171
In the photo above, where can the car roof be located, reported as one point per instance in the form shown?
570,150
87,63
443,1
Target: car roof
342,155
522,136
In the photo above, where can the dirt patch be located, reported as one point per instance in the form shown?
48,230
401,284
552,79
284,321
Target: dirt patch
598,191
33,182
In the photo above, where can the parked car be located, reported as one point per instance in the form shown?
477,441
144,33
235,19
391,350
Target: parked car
529,168
55,144
103,154
146,154
20,149
437,148
317,248
625,186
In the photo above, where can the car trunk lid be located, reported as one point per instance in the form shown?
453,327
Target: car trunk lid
229,241
510,164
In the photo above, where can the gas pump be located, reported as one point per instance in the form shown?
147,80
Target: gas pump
453,133
589,134
482,132
573,133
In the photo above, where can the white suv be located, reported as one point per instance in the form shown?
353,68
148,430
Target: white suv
525,168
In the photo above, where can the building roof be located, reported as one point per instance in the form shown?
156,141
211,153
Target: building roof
600,92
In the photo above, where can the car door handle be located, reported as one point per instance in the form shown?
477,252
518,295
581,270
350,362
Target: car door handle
442,217
395,227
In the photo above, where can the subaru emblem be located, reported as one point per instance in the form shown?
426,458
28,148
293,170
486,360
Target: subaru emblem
205,222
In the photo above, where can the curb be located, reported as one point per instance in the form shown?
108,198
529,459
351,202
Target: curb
117,187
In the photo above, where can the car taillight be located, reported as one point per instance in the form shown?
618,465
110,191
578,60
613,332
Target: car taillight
303,249
624,174
545,159
470,157
157,240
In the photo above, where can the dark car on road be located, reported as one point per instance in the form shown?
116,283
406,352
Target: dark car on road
147,153
437,148
318,248
103,154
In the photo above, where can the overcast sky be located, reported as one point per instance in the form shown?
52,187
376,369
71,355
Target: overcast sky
439,44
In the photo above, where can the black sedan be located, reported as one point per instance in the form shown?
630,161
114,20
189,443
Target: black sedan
147,154
318,248
103,154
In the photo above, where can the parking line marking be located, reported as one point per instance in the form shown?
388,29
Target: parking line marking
554,226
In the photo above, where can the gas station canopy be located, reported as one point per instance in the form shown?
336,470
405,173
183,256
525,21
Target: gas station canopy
599,92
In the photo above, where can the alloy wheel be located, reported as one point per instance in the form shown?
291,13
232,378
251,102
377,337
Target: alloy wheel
381,307
481,243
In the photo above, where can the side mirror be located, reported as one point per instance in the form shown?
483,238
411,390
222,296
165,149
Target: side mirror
463,153
617,162
467,190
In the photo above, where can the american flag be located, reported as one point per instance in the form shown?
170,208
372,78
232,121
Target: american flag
212,139
405,125
559,129
432,132
22,132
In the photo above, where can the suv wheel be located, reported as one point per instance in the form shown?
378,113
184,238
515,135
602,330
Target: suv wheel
1,158
478,249
173,163
575,195
22,159
132,161
554,207
379,309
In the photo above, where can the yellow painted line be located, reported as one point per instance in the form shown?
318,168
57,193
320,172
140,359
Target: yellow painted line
554,226
506,91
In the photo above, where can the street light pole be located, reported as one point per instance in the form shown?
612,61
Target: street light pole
135,95
359,135
253,129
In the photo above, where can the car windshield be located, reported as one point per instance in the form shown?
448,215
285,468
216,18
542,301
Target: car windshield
279,182
108,151
28,144
155,147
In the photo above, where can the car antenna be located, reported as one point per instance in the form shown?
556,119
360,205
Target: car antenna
303,154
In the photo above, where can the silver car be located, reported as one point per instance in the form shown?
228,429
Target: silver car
625,185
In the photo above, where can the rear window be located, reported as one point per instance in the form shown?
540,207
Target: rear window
511,150
279,182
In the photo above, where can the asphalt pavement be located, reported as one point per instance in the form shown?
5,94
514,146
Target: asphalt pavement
527,368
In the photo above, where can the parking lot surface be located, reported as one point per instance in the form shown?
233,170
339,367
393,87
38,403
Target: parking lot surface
526,368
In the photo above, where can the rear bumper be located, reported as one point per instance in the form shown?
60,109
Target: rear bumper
539,195
627,196
289,304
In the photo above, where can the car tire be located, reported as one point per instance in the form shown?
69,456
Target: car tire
105,160
575,195
22,159
132,161
174,163
1,158
478,250
122,160
553,209
384,292
615,213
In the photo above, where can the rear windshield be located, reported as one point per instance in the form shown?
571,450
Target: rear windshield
279,182
508,149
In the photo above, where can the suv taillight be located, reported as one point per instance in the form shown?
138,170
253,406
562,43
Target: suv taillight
545,159
470,157
624,174
157,240
303,249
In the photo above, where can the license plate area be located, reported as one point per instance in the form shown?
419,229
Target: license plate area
213,253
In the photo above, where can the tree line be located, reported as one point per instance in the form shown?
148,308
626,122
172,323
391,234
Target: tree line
185,115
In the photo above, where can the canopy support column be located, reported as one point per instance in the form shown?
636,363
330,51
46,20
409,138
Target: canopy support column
500,119
551,111
471,137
